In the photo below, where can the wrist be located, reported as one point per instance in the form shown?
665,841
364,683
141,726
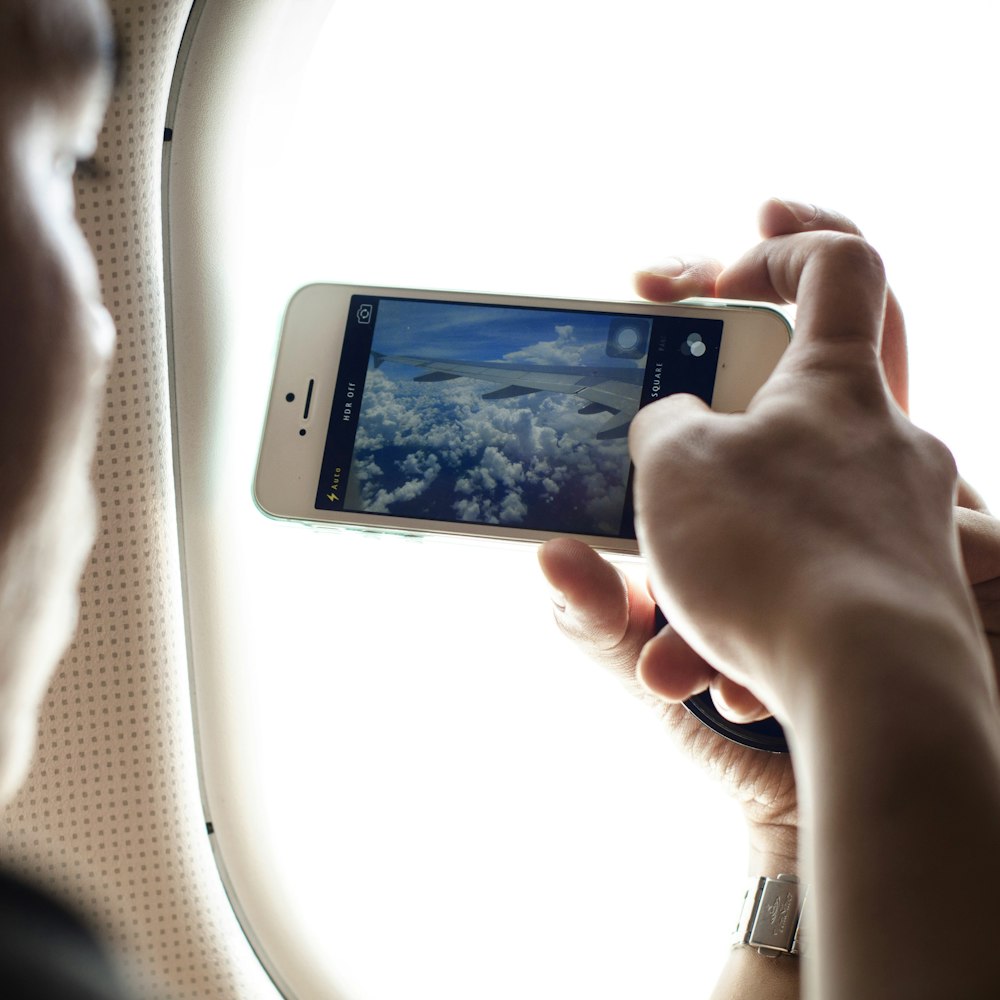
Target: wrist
772,848
749,974
866,653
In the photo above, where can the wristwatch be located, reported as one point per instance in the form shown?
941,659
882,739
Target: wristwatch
771,917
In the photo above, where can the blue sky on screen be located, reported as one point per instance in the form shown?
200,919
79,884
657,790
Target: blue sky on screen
437,450
492,333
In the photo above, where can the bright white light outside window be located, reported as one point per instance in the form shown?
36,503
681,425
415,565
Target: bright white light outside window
450,802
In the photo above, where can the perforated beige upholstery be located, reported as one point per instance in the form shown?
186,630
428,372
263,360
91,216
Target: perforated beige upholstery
110,817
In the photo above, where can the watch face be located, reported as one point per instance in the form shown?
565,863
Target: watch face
764,735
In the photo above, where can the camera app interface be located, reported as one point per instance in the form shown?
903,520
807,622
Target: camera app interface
489,414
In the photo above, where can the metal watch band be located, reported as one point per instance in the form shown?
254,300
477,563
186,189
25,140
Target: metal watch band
771,917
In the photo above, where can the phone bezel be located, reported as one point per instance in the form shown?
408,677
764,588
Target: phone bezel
309,350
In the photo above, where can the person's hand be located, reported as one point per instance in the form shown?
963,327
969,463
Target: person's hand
610,616
767,531
56,339
698,277
979,532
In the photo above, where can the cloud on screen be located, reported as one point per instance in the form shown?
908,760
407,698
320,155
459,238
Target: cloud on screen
438,450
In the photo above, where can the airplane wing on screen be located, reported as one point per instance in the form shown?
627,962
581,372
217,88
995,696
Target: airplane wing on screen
616,391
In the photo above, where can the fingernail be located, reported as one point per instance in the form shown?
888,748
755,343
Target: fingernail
558,600
672,267
803,212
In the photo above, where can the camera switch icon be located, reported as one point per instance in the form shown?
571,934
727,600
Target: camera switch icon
364,313
694,346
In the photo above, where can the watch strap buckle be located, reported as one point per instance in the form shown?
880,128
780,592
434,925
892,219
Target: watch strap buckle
771,916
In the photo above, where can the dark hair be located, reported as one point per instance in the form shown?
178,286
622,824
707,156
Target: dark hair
56,43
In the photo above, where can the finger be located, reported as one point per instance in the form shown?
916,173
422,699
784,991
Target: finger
735,702
601,611
670,669
979,538
895,359
677,279
839,281
672,415
679,417
781,218
969,497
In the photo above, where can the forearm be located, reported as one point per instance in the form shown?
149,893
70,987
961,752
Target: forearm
898,765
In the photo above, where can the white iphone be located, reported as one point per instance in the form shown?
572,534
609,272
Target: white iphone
484,415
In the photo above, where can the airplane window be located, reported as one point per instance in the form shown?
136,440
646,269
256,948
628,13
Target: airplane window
416,787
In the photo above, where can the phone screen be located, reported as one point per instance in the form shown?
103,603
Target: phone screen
502,415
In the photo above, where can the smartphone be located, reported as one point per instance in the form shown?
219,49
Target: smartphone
483,415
